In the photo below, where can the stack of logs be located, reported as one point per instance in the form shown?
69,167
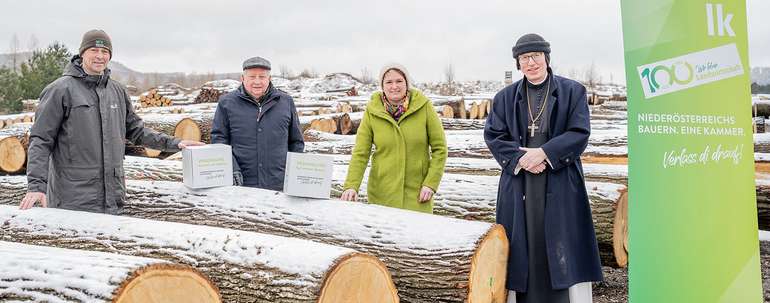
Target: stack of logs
7,121
209,95
337,124
456,108
154,99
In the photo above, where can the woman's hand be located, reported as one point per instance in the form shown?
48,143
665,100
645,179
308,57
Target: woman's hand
425,194
349,195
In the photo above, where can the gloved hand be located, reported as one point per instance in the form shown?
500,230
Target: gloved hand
237,178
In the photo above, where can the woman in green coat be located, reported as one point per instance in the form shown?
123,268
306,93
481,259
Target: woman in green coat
409,146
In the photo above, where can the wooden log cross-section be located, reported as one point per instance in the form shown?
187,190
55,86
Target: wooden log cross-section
453,106
14,141
48,274
153,99
430,257
246,266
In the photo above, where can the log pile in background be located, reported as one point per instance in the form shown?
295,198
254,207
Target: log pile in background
211,91
451,108
209,95
341,124
246,266
9,120
48,274
153,99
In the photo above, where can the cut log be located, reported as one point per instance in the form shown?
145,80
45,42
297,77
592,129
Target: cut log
462,124
47,274
141,151
247,267
457,105
346,125
327,125
344,107
430,257
14,142
194,126
208,95
447,112
483,109
470,144
473,113
152,99
620,231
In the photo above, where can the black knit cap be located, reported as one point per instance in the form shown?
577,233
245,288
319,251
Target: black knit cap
95,38
530,43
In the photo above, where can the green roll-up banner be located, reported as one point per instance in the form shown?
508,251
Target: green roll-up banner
692,206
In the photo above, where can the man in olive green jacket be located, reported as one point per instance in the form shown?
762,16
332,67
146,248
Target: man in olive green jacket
76,145
410,146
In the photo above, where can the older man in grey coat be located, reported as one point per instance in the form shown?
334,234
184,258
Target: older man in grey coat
76,145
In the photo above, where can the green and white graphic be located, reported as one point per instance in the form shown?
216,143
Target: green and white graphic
692,205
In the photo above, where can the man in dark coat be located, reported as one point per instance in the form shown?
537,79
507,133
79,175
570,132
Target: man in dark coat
537,129
76,145
260,123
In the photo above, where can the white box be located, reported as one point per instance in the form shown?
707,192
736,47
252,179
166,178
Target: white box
308,175
208,165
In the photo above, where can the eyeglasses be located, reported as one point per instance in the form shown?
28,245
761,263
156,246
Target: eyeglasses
524,59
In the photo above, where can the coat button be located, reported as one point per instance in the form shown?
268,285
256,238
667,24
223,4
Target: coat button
259,129
260,164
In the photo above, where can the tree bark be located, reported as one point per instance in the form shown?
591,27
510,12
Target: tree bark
246,266
430,257
48,274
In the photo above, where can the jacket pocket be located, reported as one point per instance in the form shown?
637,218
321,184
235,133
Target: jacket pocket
78,188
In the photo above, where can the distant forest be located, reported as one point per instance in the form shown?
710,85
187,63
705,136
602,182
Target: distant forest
760,89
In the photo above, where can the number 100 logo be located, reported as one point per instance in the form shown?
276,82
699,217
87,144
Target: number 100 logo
680,73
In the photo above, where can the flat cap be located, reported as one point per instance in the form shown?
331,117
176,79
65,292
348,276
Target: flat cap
256,62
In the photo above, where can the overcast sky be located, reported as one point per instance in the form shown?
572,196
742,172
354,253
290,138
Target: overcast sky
345,36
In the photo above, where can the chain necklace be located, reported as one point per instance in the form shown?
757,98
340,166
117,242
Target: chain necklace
532,127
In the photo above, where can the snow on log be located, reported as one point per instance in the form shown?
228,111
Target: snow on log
246,266
192,126
462,124
470,197
464,144
48,274
430,257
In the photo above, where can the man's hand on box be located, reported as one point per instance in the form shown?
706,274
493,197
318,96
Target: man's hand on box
185,143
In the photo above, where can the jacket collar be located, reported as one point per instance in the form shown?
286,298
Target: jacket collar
520,90
268,96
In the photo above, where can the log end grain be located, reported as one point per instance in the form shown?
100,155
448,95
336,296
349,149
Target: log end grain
620,231
358,277
167,283
187,129
488,268
13,155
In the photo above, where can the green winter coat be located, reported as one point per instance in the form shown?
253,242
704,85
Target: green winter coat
408,154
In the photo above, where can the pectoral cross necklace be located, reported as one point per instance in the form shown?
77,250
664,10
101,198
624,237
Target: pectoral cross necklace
532,127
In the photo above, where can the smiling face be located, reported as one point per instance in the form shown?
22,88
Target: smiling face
533,66
95,60
256,80
394,86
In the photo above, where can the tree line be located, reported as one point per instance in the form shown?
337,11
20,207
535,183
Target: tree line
28,81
